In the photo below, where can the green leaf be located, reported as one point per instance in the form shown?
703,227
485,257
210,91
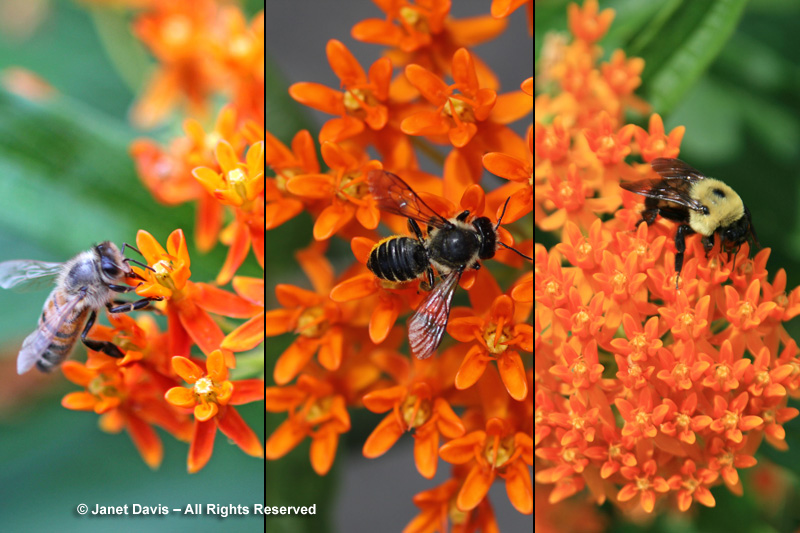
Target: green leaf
679,44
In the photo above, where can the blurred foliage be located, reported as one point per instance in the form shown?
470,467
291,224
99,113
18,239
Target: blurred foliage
728,70
66,182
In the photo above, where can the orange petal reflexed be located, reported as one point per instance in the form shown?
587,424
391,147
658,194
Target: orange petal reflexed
340,129
293,359
251,289
354,288
247,336
284,439
331,349
472,368
506,166
247,391
382,400
210,180
475,488
511,107
203,330
461,450
146,440
323,450
202,445
277,322
220,302
383,437
426,445
519,488
176,246
235,428
383,319
425,123
332,219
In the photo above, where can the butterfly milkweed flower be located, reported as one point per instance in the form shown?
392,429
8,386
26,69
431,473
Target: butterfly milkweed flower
699,376
212,397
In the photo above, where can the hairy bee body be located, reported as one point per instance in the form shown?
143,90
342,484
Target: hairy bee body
84,285
398,259
67,335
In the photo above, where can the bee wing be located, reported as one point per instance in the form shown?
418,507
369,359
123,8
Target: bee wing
23,274
426,327
676,169
37,342
670,190
395,196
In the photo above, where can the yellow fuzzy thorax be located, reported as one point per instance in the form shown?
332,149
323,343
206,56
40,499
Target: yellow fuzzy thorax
724,206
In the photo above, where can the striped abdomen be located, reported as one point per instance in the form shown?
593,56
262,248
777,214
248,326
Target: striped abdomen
398,259
64,339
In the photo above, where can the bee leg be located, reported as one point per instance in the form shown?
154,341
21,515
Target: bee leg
649,216
108,348
680,246
130,306
462,216
120,288
708,243
413,226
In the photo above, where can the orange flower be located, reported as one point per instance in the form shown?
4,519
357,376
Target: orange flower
343,191
498,337
458,114
414,404
251,333
212,397
436,508
363,101
239,185
301,159
496,451
316,411
187,303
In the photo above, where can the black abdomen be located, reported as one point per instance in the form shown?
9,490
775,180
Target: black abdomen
398,259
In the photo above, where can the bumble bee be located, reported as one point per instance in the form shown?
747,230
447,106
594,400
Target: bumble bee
451,246
700,204
84,284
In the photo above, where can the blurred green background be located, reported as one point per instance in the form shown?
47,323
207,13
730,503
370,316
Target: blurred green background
728,70
67,182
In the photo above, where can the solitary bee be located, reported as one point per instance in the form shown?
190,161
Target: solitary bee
451,246
84,284
700,204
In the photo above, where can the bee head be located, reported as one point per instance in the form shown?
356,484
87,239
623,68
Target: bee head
488,236
739,231
110,258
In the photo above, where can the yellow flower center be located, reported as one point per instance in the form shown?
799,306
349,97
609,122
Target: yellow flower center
348,189
745,311
414,18
682,420
565,191
207,391
730,420
581,319
163,273
496,344
723,372
619,280
312,322
102,386
459,108
318,412
415,415
584,250
240,47
499,451
238,181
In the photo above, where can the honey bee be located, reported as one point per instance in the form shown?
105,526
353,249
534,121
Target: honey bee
451,246
84,284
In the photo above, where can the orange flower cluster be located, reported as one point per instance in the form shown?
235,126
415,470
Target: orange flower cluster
429,89
645,394
201,46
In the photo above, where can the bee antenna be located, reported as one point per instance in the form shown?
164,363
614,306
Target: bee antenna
138,263
502,214
507,247
126,245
